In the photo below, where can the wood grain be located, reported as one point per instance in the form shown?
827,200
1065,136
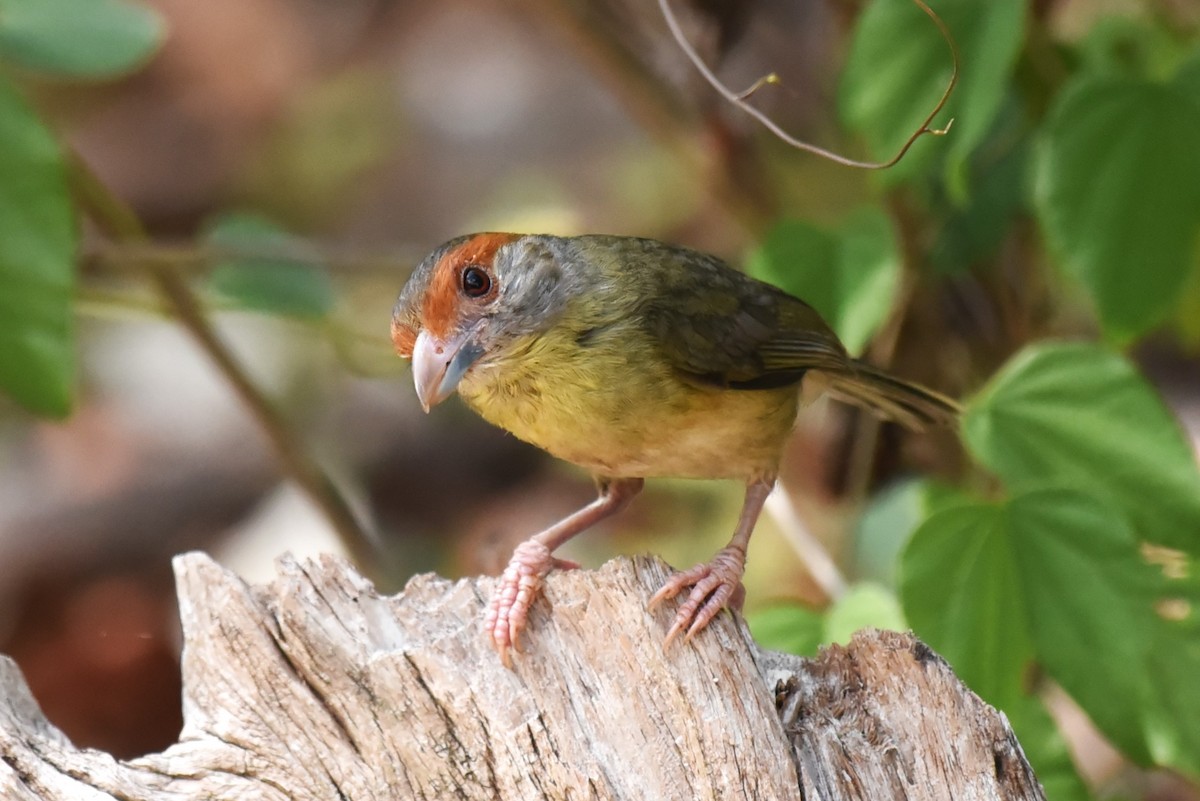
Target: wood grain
316,687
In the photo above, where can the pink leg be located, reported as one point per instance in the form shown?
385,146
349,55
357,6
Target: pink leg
533,559
718,583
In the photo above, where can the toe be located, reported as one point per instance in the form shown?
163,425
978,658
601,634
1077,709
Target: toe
712,607
714,586
677,584
515,592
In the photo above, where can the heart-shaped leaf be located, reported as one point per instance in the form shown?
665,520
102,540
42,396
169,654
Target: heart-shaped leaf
1078,413
899,66
1117,192
1057,576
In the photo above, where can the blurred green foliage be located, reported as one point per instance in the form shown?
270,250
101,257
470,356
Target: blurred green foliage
286,277
853,273
37,262
77,39
73,39
899,66
1117,192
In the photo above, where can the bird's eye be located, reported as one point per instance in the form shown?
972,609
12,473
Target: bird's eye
475,282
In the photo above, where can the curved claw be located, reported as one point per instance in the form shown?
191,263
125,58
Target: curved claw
518,587
715,585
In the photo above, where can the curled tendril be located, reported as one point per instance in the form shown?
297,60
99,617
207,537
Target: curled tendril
740,99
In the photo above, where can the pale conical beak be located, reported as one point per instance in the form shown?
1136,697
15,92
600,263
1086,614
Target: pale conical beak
438,365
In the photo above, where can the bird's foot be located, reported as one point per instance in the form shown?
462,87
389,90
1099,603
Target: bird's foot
715,585
517,589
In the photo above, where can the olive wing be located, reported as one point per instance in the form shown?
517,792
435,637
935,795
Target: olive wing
718,327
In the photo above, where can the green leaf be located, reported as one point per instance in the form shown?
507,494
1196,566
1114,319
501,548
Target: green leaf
1058,575
971,232
1080,414
78,38
38,238
799,630
891,516
1087,592
1171,711
279,282
1131,46
960,590
899,66
849,275
1117,192
864,604
790,628
1188,76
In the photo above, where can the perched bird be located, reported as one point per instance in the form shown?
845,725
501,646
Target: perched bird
633,359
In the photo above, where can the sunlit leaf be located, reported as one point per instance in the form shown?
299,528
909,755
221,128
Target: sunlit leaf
1057,576
790,628
796,629
1117,192
1081,414
863,605
899,65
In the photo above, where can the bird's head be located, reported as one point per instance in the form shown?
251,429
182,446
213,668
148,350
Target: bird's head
472,301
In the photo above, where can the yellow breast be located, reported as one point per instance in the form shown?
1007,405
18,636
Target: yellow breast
618,410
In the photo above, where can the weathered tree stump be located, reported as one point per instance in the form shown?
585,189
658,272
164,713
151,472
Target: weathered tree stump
315,687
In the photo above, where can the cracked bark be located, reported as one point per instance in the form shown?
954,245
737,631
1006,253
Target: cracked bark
315,687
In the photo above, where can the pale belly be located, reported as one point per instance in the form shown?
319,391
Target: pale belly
669,430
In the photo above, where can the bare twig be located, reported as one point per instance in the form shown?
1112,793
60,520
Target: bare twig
820,565
652,106
740,99
119,221
347,340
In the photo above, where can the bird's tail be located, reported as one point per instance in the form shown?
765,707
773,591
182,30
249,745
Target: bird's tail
891,398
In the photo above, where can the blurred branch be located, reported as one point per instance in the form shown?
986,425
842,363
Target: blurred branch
651,106
395,266
120,223
820,565
344,338
740,99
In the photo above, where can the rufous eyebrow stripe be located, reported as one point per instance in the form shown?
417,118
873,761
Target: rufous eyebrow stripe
442,299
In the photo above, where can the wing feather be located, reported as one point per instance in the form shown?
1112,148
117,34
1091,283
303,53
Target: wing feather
719,327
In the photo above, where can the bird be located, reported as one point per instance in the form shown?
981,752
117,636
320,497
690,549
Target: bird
633,359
